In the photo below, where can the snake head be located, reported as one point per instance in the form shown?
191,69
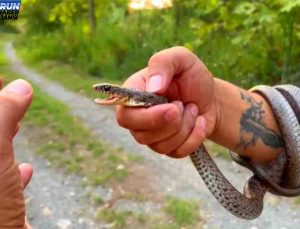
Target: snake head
118,95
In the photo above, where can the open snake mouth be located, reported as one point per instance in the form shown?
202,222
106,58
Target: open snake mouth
111,99
117,95
106,101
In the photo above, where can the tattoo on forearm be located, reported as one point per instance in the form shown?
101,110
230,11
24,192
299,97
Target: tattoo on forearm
253,127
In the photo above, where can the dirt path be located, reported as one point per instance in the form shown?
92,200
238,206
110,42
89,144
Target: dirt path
169,177
47,205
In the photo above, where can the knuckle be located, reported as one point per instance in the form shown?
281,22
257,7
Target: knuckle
141,138
155,121
175,125
180,153
185,52
160,57
181,49
156,58
8,102
189,121
8,98
121,121
160,148
177,154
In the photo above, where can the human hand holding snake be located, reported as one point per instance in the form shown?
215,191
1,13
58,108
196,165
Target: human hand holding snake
174,129
229,115
202,107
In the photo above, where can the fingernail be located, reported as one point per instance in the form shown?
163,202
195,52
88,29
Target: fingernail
202,123
194,110
20,87
155,83
179,106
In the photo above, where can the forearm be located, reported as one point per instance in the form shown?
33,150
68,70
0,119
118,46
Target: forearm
246,123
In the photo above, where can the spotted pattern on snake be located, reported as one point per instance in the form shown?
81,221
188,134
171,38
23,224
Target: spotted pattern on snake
248,205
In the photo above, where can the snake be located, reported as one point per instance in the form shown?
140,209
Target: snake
249,204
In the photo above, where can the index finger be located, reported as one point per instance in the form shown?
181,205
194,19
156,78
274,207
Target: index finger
148,118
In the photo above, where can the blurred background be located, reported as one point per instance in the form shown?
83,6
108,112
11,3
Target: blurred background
246,42
89,173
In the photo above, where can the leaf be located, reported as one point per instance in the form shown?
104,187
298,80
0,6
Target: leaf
237,40
267,16
288,6
245,8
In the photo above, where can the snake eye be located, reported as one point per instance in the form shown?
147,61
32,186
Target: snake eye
107,88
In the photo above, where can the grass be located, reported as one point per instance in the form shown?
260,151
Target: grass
178,214
61,138
217,150
183,212
121,219
3,59
67,75
110,216
81,82
297,201
70,145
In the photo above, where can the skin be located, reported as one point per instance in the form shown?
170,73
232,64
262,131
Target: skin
202,107
15,99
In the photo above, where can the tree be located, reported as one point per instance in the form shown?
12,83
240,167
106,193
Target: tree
92,17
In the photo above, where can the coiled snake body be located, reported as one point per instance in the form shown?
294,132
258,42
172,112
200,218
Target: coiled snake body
248,205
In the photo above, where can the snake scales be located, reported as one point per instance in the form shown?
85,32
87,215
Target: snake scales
281,177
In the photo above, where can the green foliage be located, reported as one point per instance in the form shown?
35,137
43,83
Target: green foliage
64,141
246,42
3,60
7,27
37,16
251,38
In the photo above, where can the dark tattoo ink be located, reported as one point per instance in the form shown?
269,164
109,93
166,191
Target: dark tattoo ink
253,127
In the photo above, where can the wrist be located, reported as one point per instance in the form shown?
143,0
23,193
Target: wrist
212,132
211,115
244,121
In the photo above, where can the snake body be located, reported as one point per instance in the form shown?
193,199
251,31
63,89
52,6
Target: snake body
248,205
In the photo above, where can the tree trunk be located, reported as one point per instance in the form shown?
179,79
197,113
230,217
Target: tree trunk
177,20
288,44
92,17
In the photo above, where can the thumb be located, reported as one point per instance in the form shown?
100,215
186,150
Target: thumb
167,64
26,173
15,99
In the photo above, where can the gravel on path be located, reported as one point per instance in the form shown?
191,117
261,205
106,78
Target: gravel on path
169,176
53,199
